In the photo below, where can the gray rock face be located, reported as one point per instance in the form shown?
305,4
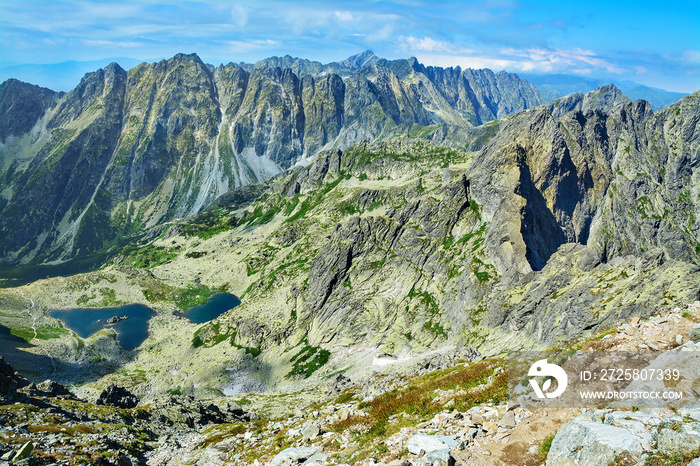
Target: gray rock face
118,397
681,438
625,435
430,443
292,456
587,443
10,380
406,256
21,106
695,334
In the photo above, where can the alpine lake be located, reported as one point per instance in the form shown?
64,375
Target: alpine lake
131,321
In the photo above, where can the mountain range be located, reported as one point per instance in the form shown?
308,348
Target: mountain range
127,150
553,86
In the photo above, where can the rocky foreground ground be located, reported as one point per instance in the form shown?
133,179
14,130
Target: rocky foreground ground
444,410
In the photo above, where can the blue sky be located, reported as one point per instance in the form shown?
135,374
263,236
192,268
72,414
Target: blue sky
654,43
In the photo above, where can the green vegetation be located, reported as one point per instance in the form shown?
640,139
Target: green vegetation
377,264
420,151
209,223
49,333
421,132
435,328
25,333
675,459
192,296
149,256
184,298
213,340
482,382
211,335
313,199
308,359
262,214
427,300
448,242
545,446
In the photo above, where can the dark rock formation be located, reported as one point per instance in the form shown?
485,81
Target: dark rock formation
118,397
10,380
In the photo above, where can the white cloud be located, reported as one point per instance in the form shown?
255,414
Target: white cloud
385,33
428,44
240,46
691,56
111,43
538,60
239,15
344,16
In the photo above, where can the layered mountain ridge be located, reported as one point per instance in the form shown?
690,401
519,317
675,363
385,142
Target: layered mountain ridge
128,150
570,217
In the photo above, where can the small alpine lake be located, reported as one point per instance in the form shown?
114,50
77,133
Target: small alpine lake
131,320
217,304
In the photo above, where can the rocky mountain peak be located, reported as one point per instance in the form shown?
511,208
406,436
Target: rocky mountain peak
21,106
605,97
361,60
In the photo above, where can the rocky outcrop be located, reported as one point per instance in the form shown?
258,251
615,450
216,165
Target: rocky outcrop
47,388
605,436
54,425
118,397
10,381
558,225
21,107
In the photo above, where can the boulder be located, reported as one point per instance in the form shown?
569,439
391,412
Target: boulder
339,384
439,458
292,456
10,380
695,333
118,397
507,421
428,443
588,443
23,452
680,438
310,431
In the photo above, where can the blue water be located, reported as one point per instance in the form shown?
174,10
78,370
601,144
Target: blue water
217,304
131,332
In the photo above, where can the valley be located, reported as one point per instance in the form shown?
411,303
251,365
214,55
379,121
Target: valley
407,243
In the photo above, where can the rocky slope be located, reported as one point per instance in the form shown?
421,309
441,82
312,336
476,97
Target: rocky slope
442,410
131,149
559,224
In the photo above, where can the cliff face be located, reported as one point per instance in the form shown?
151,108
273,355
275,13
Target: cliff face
131,149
